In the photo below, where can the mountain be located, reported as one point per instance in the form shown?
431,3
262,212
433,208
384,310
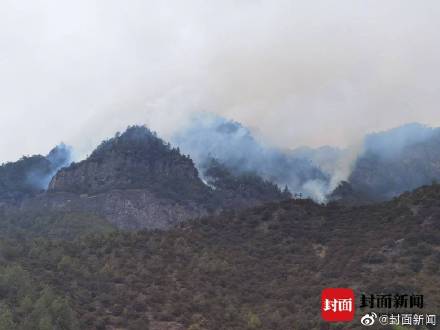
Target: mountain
396,161
385,165
259,268
244,189
136,180
136,159
344,193
237,253
209,136
30,175
133,180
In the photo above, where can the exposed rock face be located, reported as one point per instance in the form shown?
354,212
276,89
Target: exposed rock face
137,159
126,209
136,180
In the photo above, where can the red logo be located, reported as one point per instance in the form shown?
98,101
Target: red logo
337,305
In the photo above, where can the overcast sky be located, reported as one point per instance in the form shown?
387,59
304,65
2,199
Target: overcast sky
297,72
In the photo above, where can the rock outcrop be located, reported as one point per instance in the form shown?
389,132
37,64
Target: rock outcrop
136,180
137,159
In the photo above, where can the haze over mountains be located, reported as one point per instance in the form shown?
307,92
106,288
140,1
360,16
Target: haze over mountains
398,160
209,136
223,161
215,164
30,175
136,180
144,234
383,166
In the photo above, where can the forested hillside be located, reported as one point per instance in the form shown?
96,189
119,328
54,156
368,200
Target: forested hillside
262,268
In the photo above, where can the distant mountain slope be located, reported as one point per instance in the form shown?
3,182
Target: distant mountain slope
30,175
346,194
136,180
396,161
246,188
236,147
261,268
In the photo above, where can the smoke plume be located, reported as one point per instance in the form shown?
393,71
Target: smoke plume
39,176
297,72
207,136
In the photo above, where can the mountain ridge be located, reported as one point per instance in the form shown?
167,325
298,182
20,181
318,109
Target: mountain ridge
137,180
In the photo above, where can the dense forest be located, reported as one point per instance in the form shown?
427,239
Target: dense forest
262,268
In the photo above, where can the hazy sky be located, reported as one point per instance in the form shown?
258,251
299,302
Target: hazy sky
297,72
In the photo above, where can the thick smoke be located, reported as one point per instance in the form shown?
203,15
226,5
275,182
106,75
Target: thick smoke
390,144
209,136
336,163
398,160
297,72
382,164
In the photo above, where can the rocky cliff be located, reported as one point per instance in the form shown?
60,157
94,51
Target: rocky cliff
136,159
136,180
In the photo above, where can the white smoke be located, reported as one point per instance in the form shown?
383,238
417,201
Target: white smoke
298,72
207,136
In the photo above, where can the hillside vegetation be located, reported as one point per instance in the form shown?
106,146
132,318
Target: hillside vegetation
31,174
262,268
